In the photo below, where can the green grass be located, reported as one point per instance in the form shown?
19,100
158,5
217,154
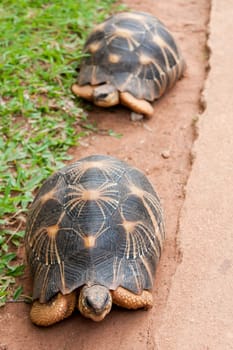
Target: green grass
40,46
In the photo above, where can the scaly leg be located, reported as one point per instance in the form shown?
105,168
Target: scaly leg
137,105
124,298
58,309
85,91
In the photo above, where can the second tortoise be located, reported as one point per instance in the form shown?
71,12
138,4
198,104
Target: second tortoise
131,59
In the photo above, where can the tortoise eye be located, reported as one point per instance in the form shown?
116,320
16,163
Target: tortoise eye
106,299
102,96
89,303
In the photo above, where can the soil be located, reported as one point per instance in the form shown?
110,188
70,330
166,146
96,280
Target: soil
162,147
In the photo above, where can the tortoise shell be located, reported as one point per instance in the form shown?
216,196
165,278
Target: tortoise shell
96,221
133,51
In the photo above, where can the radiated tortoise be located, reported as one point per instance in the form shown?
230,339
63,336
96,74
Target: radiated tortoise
131,59
94,236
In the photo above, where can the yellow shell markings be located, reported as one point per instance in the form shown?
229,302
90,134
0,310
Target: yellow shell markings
132,15
116,272
91,240
172,72
99,27
131,245
143,195
48,195
148,269
102,196
136,231
77,170
176,70
162,44
47,235
145,60
43,236
114,58
125,34
136,274
128,15
94,47
33,238
80,168
52,231
131,238
149,61
45,272
94,81
40,270
161,84
43,199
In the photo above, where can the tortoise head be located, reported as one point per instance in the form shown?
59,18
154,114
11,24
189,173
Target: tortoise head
105,95
95,302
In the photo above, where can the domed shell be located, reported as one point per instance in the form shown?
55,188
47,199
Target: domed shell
135,52
96,221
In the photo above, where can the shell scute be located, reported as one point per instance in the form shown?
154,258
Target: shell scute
165,35
96,37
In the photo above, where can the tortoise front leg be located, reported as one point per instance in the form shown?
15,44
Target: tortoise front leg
85,91
137,105
47,314
124,298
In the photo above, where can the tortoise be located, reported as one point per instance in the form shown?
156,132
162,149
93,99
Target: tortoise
132,59
94,237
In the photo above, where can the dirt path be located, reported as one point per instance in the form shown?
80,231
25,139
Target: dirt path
162,148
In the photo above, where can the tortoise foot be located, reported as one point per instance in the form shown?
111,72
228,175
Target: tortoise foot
124,298
137,105
47,314
85,91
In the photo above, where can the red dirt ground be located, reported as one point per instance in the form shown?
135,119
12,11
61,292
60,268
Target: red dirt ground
162,148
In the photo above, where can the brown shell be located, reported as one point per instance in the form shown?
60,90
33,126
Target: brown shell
96,221
135,52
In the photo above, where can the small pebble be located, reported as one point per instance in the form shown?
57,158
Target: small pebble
83,144
165,154
145,126
136,116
